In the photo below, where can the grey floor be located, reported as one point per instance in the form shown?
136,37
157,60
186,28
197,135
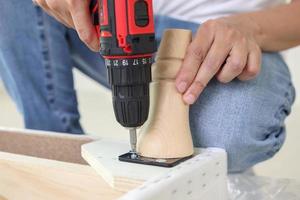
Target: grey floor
98,119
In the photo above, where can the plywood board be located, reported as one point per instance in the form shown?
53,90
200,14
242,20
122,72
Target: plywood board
42,144
33,177
103,155
29,178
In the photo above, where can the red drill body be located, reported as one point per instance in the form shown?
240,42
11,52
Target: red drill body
127,40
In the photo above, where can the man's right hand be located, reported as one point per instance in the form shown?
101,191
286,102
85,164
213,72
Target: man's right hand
74,14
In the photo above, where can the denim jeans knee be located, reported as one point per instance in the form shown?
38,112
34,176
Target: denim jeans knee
245,118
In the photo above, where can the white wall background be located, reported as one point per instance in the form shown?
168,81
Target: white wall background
293,59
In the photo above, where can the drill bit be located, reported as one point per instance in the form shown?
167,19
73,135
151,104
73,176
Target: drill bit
133,141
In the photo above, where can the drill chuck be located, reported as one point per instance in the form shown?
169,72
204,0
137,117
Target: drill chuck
129,79
127,42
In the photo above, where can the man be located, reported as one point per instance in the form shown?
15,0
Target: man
239,97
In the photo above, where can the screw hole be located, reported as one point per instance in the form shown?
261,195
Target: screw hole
189,192
174,192
204,185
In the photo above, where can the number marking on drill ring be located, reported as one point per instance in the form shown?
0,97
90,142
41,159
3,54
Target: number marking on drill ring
128,62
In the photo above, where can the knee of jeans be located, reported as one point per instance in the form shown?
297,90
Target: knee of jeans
254,139
261,140
243,145
244,153
249,134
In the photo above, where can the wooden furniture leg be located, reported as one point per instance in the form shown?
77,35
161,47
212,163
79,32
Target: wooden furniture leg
167,134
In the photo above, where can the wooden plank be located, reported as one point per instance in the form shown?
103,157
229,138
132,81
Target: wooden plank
204,174
103,154
2,198
29,178
31,168
41,144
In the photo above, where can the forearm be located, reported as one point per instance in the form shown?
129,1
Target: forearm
274,29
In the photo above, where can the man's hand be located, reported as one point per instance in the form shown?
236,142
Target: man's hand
73,14
224,48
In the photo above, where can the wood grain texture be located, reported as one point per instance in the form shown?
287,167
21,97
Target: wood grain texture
29,178
167,134
170,54
103,154
41,144
24,177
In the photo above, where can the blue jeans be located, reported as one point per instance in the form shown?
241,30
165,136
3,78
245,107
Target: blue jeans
37,55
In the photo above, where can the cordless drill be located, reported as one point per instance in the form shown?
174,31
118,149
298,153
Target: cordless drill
127,43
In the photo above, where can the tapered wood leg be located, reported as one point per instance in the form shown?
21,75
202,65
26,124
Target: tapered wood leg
167,134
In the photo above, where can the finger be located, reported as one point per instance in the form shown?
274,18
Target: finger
44,5
61,14
210,66
41,3
253,66
83,24
34,2
65,19
235,63
195,55
69,20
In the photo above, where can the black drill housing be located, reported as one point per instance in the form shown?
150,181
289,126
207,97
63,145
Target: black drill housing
127,40
130,91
